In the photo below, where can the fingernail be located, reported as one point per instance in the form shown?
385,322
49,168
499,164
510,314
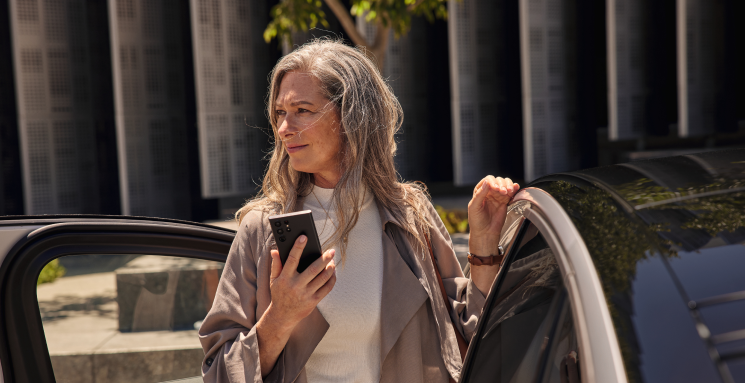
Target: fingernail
303,239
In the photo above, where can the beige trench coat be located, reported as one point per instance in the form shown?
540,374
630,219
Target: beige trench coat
417,341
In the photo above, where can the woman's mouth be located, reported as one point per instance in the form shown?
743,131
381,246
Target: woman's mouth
295,148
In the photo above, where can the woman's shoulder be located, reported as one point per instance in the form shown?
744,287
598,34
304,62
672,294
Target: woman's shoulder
253,217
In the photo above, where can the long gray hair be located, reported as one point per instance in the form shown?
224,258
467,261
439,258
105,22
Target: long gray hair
370,116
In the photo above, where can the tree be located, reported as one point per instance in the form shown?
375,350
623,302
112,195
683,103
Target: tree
300,15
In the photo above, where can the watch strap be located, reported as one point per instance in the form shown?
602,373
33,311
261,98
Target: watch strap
491,260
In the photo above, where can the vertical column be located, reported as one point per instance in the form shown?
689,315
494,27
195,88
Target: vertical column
147,61
11,190
478,58
55,98
405,68
700,30
230,69
628,86
549,80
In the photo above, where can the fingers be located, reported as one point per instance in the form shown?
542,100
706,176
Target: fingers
293,259
481,191
326,288
316,267
276,265
505,186
320,280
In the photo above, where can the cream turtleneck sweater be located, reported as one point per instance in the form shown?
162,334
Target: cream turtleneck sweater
350,350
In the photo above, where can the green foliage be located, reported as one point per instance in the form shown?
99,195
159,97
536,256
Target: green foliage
301,15
456,221
50,272
717,209
294,15
397,13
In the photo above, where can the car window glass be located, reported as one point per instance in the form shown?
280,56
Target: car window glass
522,318
125,318
562,363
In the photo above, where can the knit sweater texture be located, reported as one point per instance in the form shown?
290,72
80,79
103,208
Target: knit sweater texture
350,350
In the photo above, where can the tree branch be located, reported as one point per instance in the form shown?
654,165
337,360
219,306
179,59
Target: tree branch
347,23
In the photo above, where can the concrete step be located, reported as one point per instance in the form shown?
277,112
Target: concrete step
80,315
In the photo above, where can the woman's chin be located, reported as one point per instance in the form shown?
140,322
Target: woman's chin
300,166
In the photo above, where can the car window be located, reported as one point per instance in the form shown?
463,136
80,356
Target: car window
562,363
117,318
525,318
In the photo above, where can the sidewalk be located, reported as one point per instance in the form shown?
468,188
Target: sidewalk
80,318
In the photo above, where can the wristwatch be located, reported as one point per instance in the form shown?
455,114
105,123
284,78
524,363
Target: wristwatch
487,260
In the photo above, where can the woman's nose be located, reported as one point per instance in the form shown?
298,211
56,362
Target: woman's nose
286,129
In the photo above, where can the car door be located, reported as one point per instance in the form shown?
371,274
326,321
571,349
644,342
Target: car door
125,308
545,319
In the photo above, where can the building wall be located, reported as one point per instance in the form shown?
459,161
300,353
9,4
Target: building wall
11,191
57,102
485,88
405,69
700,32
230,69
148,61
549,86
628,32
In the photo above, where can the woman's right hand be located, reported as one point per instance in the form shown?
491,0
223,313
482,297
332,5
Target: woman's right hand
295,295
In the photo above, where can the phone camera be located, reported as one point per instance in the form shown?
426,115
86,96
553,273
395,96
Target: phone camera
287,222
282,239
278,224
279,231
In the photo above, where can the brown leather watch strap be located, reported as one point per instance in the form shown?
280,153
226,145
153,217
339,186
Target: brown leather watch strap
485,261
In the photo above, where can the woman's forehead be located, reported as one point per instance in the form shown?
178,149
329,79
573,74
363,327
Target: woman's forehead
299,86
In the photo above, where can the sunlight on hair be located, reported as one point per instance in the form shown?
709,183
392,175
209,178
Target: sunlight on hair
370,117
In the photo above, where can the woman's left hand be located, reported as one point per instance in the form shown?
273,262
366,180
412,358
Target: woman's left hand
487,212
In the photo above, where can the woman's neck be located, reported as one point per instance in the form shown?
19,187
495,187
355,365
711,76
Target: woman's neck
326,181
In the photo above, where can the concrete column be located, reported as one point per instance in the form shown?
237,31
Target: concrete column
700,43
230,71
58,98
149,92
547,41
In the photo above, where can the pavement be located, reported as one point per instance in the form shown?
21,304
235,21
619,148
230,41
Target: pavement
80,318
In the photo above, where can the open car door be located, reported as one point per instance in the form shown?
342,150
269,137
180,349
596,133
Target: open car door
122,298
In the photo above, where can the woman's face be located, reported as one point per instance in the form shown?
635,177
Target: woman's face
309,127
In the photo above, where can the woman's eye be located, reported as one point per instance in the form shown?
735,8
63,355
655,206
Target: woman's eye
301,110
280,112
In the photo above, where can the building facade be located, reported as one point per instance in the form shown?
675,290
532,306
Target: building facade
63,110
147,55
156,107
230,70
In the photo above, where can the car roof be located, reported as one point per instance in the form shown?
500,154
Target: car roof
677,223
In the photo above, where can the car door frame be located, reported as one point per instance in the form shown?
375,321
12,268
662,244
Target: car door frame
600,356
23,353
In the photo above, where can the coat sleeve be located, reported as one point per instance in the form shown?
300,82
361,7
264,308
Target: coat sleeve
466,299
228,333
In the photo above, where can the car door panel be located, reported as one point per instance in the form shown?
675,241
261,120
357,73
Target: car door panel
583,327
25,354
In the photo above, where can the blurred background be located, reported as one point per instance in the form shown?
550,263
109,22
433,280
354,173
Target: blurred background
157,107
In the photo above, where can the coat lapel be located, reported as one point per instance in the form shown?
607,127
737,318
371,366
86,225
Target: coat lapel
403,296
303,341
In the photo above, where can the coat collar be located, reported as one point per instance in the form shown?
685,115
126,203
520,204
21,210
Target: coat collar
385,215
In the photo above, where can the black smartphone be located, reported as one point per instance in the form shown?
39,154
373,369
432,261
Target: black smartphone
286,228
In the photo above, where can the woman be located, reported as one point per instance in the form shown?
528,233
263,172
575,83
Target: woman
370,308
